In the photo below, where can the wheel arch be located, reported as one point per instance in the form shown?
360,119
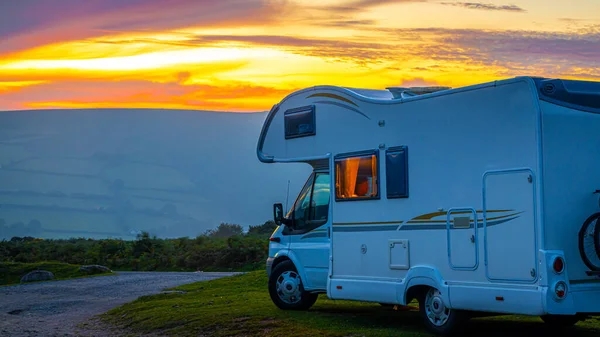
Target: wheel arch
419,280
278,260
289,256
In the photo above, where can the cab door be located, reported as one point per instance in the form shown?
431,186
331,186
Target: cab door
309,235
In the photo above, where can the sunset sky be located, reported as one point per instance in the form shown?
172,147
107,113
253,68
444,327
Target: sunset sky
245,55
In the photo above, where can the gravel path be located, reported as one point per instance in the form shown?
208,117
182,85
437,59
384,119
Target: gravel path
56,308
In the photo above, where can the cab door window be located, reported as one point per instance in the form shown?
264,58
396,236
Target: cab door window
312,206
302,205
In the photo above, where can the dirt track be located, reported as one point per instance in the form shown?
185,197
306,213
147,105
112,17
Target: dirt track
56,308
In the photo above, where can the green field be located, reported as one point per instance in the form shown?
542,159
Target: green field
240,305
11,272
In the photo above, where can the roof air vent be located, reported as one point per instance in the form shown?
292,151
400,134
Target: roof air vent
403,92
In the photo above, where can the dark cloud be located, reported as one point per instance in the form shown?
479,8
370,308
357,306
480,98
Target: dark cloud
345,15
513,50
485,6
372,3
31,23
348,23
570,20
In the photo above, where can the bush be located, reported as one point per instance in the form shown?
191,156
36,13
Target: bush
224,248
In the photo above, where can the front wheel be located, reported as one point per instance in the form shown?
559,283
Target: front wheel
286,289
438,318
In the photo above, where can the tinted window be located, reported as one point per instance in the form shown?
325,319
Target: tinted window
300,122
396,161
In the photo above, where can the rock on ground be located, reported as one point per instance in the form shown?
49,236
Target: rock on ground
37,275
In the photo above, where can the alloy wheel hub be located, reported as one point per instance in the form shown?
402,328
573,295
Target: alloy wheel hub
437,312
288,287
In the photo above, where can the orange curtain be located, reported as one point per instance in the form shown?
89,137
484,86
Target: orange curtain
350,169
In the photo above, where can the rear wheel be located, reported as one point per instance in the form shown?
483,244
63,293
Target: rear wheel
560,321
438,318
589,247
286,289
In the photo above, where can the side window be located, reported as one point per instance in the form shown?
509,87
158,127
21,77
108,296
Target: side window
357,176
320,199
300,122
396,168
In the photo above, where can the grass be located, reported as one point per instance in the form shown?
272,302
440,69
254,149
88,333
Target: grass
11,272
240,305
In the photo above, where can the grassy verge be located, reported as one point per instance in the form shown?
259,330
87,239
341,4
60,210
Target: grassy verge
240,305
11,272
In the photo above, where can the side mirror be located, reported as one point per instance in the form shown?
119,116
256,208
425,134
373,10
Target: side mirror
278,213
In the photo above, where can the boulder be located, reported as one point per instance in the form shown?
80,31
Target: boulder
95,269
37,275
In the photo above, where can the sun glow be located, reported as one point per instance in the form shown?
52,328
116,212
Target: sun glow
152,60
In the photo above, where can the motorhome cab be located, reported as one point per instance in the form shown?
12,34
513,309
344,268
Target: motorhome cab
475,199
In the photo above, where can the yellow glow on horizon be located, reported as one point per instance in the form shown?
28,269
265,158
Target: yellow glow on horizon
152,60
16,84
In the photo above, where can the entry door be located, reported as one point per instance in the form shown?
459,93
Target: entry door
309,240
510,226
461,226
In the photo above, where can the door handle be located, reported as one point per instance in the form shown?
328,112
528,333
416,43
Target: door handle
472,238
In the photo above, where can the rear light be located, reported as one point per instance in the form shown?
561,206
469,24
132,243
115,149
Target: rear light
560,290
275,239
558,265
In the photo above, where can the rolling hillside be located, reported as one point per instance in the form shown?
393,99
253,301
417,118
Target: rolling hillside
115,172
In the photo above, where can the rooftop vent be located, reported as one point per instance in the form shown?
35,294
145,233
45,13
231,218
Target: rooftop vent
402,92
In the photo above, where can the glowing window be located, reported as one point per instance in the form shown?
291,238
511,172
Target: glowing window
357,176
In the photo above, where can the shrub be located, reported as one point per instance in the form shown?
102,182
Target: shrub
224,248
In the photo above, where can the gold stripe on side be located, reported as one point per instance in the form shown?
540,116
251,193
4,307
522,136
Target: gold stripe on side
504,216
334,96
436,214
478,219
368,223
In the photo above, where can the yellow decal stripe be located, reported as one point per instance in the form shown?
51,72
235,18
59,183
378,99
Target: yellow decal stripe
334,96
368,223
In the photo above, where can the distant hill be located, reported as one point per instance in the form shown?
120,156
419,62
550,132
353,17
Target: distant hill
115,172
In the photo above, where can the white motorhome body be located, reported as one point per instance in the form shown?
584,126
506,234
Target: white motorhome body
473,192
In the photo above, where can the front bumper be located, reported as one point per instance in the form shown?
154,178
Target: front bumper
269,265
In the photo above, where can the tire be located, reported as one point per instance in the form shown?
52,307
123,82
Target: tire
286,289
597,237
437,318
560,321
589,247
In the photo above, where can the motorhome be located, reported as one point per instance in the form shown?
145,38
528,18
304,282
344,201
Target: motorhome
479,199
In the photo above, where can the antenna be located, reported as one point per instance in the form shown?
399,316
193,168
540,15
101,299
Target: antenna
287,196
